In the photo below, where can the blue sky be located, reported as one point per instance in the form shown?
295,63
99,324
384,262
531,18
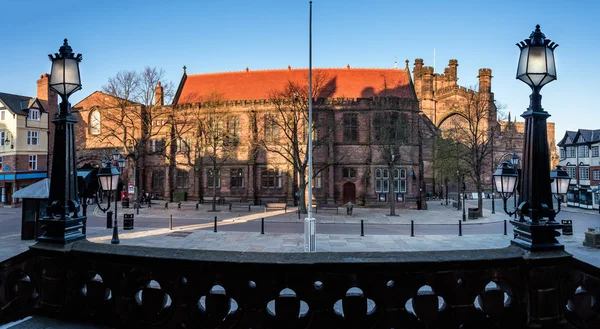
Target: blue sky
227,35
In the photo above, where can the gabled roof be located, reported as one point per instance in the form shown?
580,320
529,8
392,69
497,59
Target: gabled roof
340,82
103,100
567,138
20,104
587,136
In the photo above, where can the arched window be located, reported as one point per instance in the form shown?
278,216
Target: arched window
95,122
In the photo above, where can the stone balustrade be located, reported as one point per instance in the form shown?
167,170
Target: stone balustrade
140,287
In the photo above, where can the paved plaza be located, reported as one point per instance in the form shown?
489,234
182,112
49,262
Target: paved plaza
201,236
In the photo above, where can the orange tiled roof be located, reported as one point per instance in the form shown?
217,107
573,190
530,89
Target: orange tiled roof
342,82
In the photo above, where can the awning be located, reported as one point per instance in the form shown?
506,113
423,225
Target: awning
38,190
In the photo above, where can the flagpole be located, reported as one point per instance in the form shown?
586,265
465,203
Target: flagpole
309,222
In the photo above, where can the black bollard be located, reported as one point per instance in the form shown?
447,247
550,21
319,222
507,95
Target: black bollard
505,227
167,205
215,225
179,205
362,228
412,228
197,204
262,226
459,228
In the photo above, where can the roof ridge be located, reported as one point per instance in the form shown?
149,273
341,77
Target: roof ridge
296,69
1,93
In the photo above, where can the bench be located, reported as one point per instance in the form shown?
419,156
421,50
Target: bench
275,206
325,206
239,205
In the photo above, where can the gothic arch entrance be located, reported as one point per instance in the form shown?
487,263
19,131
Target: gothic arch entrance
349,193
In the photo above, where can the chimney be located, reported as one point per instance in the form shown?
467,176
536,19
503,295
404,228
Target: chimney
49,101
159,98
453,65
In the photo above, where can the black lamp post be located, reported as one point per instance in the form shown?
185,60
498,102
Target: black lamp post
63,223
458,204
559,184
464,188
108,176
515,162
505,179
536,68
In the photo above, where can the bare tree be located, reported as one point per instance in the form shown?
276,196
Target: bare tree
473,128
390,134
285,130
131,117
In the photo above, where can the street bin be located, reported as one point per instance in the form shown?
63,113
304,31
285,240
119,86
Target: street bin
567,227
128,222
125,203
109,219
473,213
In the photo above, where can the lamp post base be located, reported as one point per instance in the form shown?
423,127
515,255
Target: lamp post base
536,236
115,237
62,231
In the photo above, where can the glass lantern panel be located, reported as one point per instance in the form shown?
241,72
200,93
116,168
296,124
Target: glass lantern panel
57,75
105,182
498,184
115,182
547,79
550,59
537,60
563,185
554,186
522,68
536,79
71,75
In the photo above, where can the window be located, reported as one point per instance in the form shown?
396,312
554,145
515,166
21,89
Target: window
317,181
183,145
596,175
382,180
157,145
350,127
34,114
271,129
563,153
33,162
597,198
583,151
158,180
95,122
572,172
315,133
595,151
571,152
213,176
183,179
348,172
584,173
2,137
33,137
237,178
271,178
2,115
233,127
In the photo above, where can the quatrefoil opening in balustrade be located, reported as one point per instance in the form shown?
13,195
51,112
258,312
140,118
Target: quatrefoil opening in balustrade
152,299
287,308
217,305
22,289
493,300
584,305
95,291
426,305
354,307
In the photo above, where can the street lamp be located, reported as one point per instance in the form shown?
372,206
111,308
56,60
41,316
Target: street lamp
458,190
559,184
536,68
108,176
62,222
505,180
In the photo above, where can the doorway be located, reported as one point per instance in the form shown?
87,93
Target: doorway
349,193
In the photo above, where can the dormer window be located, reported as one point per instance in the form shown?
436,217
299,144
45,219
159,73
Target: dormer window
34,114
